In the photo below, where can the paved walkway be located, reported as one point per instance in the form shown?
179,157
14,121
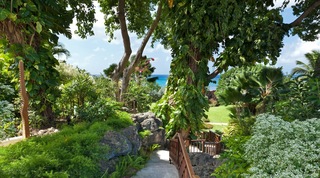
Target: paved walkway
10,141
158,167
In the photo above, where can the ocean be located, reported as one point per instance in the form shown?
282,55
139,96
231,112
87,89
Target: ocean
162,81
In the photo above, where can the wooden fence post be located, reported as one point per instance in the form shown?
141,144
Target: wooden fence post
24,104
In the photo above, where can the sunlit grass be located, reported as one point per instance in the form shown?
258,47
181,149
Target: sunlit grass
219,114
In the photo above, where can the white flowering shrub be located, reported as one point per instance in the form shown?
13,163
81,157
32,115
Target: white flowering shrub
284,149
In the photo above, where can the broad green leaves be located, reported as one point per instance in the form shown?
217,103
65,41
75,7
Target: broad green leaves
4,14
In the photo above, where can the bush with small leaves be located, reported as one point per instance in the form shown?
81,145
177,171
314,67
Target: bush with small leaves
279,148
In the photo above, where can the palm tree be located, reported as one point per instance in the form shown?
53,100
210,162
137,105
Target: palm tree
310,69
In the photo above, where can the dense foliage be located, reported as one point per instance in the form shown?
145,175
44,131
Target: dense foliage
241,33
252,142
250,88
282,149
72,152
29,33
141,94
302,98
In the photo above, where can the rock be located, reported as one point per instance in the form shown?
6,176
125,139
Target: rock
151,124
131,133
156,137
138,118
110,165
118,144
125,142
204,164
148,121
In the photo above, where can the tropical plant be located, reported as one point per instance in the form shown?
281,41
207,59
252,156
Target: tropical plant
250,89
141,94
301,100
239,32
310,69
76,93
29,32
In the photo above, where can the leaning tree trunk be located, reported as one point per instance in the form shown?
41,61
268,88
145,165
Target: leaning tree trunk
127,48
122,66
25,103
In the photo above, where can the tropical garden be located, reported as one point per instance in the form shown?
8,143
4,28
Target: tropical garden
274,123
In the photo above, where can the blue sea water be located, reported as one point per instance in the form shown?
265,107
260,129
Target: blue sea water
162,81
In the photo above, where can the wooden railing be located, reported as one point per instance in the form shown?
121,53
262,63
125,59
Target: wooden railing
180,158
209,142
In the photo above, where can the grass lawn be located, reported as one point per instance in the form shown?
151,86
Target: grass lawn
219,114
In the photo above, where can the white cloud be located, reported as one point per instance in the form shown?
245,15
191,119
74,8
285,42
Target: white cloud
295,50
157,48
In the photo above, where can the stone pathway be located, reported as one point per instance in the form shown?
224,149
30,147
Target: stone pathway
10,141
158,167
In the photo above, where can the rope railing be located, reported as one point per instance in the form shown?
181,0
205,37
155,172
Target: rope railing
180,158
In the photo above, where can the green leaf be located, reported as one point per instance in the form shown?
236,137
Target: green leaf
12,16
4,13
39,27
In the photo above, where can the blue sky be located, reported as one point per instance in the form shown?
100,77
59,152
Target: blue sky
95,53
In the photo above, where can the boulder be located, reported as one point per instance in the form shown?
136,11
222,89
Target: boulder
118,144
131,133
156,137
204,164
124,142
151,124
148,121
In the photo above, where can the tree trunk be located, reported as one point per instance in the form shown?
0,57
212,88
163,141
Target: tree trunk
193,60
25,103
129,70
127,48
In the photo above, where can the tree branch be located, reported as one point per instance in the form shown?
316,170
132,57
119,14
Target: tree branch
128,71
126,41
298,21
214,74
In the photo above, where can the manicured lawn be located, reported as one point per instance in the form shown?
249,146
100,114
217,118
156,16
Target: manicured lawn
219,114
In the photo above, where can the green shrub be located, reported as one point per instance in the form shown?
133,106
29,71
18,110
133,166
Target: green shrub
283,149
72,152
234,164
101,110
7,120
141,95
120,121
